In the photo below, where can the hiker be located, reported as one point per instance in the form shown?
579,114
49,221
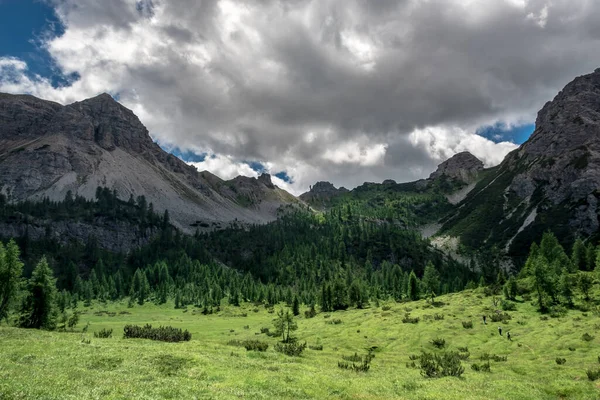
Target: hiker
500,330
508,336
484,317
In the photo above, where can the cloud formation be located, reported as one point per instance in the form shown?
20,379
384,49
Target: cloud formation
340,90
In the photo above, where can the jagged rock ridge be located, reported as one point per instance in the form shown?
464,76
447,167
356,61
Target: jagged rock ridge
551,182
47,149
464,167
320,193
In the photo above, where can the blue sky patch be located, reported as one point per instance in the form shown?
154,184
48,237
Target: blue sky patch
256,166
22,25
187,155
502,133
284,177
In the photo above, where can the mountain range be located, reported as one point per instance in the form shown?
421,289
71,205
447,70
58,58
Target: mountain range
551,182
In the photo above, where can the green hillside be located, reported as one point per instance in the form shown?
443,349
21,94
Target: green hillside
59,365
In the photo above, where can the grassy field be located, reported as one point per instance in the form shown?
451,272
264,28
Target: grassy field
59,365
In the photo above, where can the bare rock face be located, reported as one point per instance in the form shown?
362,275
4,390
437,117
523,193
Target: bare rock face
47,149
463,167
551,182
321,192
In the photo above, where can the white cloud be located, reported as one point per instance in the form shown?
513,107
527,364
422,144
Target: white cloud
340,90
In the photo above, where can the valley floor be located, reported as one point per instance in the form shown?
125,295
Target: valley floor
59,365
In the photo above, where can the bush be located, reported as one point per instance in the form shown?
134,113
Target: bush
163,333
437,366
439,343
463,349
103,334
467,324
593,374
264,330
438,317
561,361
255,345
571,348
386,308
500,317
464,355
363,367
508,305
499,358
318,347
311,313
586,337
335,321
408,320
483,367
352,358
293,349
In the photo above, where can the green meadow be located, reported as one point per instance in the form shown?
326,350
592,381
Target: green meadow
75,365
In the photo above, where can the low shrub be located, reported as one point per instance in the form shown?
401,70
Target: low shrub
293,349
463,349
255,345
318,347
439,365
571,348
103,334
508,305
413,357
352,358
410,320
464,355
500,317
586,337
335,321
310,313
438,317
561,361
593,374
362,367
499,358
467,324
386,308
439,343
483,367
163,333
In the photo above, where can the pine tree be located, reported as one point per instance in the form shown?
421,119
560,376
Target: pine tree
11,269
431,280
578,256
284,324
39,307
412,291
296,306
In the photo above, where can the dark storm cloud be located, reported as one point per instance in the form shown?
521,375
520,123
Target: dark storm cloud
285,82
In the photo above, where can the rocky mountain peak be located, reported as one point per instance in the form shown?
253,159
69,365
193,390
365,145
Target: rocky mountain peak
113,124
265,179
462,166
322,191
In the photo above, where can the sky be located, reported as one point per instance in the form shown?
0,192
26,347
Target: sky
346,91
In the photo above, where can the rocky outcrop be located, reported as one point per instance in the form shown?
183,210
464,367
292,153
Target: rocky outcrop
115,236
321,192
463,167
551,182
47,150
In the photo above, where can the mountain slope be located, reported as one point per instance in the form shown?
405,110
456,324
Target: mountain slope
48,149
550,182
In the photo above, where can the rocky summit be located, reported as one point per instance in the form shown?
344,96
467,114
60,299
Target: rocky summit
321,192
550,182
463,167
48,150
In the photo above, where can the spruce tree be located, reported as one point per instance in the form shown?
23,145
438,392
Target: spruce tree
39,307
431,280
11,269
412,291
296,306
